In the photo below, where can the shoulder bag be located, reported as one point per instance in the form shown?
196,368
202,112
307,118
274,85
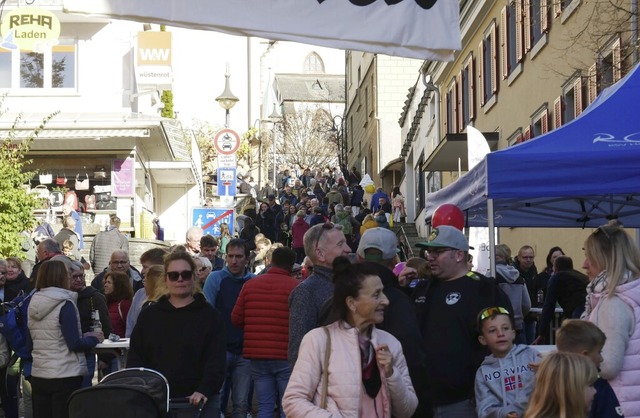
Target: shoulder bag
325,370
82,184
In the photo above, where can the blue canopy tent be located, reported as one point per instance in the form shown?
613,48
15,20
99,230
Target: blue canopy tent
579,175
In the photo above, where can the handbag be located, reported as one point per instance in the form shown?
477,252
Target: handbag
71,199
57,199
108,204
41,191
61,181
325,371
45,178
102,189
82,184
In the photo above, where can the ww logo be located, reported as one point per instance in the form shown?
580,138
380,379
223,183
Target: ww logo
154,54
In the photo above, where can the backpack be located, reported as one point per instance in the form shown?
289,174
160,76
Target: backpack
347,228
13,325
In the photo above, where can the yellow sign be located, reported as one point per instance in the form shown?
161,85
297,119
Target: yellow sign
153,61
30,29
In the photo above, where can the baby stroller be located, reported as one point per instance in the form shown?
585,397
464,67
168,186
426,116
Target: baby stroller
126,393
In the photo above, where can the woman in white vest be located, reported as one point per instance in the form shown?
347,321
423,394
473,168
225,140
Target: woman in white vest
58,344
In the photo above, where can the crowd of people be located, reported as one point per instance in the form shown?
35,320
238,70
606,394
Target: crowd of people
329,323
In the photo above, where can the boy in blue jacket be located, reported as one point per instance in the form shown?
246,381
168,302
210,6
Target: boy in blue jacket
505,380
584,337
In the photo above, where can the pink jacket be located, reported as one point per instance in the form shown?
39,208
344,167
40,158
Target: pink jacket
619,318
298,229
304,391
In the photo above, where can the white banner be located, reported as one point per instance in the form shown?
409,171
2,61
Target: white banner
423,29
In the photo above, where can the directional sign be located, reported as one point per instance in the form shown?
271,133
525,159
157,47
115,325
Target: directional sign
209,219
227,181
226,141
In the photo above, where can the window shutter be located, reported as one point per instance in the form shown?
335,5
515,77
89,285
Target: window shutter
557,8
617,60
544,15
527,133
517,6
544,121
481,73
460,102
519,138
454,94
592,83
577,96
472,89
494,58
527,25
557,113
504,41
447,128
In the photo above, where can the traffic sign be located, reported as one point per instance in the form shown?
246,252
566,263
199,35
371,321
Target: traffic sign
226,141
209,219
227,160
227,181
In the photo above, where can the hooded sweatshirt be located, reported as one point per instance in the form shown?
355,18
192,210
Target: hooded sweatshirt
504,385
186,345
511,283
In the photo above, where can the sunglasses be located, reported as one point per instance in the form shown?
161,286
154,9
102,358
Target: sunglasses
489,312
436,252
202,268
325,227
175,275
77,276
607,234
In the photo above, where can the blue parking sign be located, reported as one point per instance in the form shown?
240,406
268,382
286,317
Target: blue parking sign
209,219
227,181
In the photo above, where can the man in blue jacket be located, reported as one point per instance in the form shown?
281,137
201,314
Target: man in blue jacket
221,290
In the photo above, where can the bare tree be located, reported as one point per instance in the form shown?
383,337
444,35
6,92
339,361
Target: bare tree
305,139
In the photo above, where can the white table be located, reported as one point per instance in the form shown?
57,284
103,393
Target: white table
117,348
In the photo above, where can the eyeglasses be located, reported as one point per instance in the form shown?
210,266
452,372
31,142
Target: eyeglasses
489,312
175,275
77,276
325,227
435,253
120,262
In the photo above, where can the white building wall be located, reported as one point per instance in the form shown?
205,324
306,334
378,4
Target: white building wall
395,76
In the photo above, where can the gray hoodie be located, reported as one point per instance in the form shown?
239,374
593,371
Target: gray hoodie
509,280
504,385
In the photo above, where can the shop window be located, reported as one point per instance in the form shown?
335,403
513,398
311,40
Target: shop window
55,69
313,64
488,56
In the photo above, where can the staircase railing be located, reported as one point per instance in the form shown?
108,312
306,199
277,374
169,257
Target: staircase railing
403,242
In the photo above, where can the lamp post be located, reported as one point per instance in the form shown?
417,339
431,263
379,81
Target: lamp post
274,117
227,99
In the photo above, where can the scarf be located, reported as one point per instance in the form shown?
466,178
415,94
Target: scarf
370,372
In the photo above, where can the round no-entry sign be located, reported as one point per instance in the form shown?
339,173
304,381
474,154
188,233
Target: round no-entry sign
226,141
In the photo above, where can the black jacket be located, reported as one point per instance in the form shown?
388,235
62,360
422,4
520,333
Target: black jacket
187,345
90,299
12,288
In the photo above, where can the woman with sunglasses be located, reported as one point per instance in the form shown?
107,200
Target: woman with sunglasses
182,337
612,262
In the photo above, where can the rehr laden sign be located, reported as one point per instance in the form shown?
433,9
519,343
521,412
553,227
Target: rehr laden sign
30,29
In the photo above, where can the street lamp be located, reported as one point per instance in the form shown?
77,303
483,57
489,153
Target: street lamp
274,117
227,100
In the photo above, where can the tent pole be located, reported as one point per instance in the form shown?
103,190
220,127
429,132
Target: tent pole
492,238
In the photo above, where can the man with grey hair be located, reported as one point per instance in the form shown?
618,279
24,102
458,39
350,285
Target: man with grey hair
323,243
194,234
46,249
119,261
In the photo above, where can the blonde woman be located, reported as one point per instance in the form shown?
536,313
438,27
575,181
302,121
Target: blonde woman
564,387
612,262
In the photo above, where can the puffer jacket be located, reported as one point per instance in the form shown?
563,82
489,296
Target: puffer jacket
619,318
511,283
103,245
262,310
51,356
304,391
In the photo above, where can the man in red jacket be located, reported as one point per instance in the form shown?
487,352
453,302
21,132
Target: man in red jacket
262,310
